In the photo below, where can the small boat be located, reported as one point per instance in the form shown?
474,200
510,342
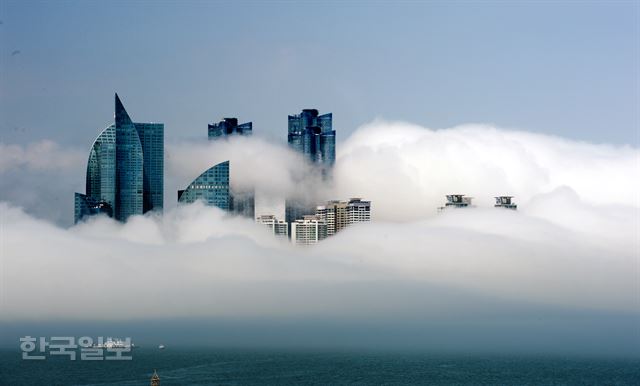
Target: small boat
161,347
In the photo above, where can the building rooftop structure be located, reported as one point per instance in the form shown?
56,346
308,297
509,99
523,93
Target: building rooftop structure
457,201
505,202
229,126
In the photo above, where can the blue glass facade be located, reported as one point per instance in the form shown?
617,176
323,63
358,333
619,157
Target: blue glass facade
125,170
87,206
313,136
212,187
229,126
129,163
152,141
101,168
242,202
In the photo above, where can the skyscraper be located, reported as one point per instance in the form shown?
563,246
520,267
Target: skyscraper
101,169
129,163
335,215
358,211
152,141
212,187
313,136
229,126
242,201
125,170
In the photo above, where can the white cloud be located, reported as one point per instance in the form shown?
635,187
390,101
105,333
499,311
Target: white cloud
573,243
406,170
44,155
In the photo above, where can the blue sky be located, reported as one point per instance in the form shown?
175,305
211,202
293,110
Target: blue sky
568,68
550,276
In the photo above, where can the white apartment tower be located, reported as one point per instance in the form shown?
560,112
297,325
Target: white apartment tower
340,214
358,211
278,227
335,215
308,230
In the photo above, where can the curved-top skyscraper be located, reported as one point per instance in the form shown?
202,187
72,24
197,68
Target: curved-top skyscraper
212,187
125,171
129,163
101,168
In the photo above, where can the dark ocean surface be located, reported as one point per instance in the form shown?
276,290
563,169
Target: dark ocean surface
179,366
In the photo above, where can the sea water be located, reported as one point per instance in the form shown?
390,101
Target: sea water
181,366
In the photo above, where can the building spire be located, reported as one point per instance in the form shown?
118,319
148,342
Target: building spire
122,117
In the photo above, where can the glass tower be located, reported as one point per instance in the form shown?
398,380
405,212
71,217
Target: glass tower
229,126
87,206
242,201
152,141
125,171
129,163
313,136
101,168
212,187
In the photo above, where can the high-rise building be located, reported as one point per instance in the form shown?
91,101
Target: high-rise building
125,171
308,230
129,166
313,136
212,187
358,211
278,227
505,202
340,214
101,172
229,126
242,201
335,215
152,143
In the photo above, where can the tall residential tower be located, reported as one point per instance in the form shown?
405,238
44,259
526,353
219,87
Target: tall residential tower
229,126
310,229
313,136
125,171
340,214
242,200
